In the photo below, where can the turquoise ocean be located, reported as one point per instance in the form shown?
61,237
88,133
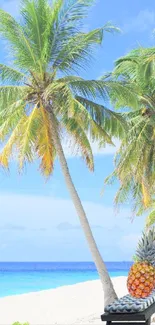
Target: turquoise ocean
18,278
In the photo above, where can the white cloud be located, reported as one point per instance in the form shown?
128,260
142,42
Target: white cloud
129,241
17,227
112,232
65,226
70,150
144,21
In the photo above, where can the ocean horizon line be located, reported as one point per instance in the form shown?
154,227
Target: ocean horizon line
25,277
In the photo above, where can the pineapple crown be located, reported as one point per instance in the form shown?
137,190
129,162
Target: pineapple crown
145,251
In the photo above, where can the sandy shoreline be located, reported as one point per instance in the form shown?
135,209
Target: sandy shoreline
81,303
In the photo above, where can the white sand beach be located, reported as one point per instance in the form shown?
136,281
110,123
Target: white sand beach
81,303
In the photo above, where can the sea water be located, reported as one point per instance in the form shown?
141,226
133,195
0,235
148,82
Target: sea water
19,278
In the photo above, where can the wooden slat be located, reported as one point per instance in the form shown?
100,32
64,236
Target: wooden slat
123,317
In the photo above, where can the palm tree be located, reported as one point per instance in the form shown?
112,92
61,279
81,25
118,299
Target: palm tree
135,160
41,102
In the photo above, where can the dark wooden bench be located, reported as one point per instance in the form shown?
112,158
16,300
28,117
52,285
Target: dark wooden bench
137,318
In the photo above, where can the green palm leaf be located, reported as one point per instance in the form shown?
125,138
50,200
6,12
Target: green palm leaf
11,94
9,74
28,138
9,118
20,44
80,140
135,161
84,118
113,122
45,146
79,49
13,140
150,220
37,16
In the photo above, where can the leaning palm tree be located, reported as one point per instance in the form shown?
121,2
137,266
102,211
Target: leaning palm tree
41,102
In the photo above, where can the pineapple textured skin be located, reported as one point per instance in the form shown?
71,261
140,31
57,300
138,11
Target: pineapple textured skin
141,279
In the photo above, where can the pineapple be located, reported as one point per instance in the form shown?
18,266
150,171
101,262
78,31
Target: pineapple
141,278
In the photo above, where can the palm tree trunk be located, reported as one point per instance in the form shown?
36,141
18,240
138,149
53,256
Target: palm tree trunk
109,293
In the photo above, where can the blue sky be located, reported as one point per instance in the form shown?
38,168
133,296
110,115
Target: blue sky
37,219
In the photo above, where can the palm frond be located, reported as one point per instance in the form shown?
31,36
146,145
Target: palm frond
37,20
80,140
148,58
11,94
10,117
7,150
70,106
79,49
138,65
150,219
27,138
65,17
123,94
23,51
97,132
8,74
74,10
87,88
146,195
44,145
114,123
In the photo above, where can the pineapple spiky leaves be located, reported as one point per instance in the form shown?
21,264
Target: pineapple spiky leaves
146,248
141,278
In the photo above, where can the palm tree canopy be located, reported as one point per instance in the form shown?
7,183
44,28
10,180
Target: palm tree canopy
135,160
48,46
